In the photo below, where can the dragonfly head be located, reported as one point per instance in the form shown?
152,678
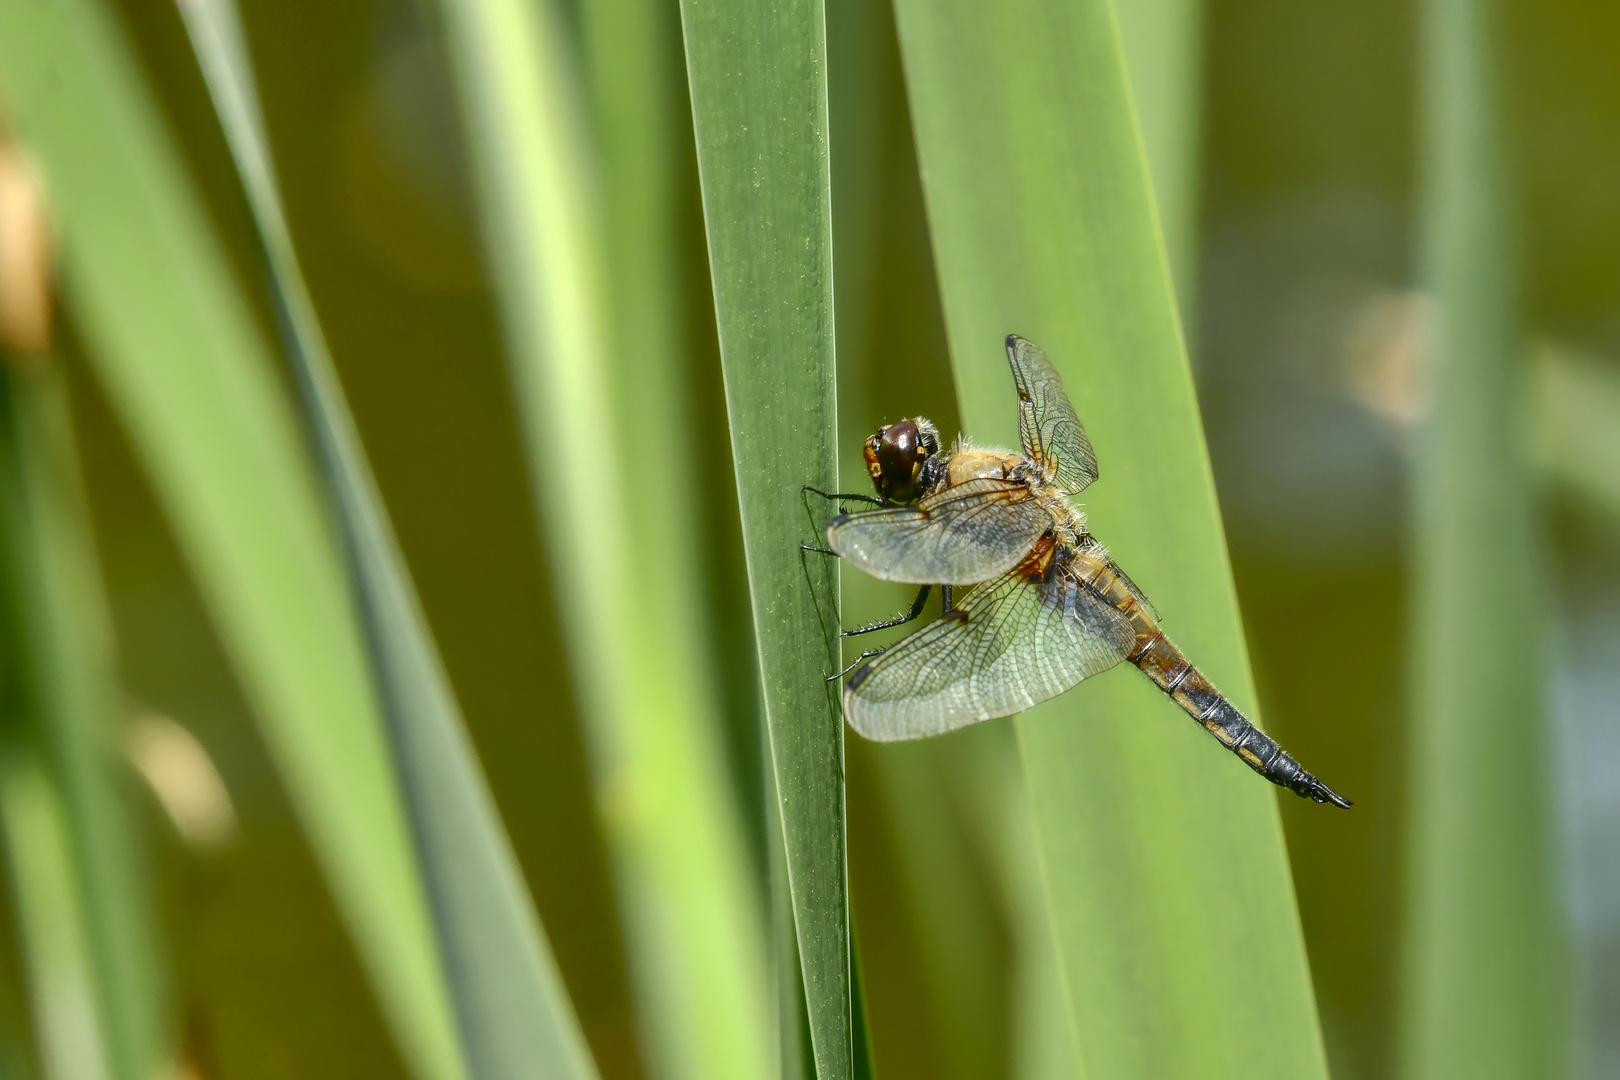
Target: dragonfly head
903,458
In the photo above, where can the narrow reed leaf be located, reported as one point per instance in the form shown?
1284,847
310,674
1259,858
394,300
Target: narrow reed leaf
1163,50
68,823
691,909
759,108
1578,436
1163,858
513,1011
795,1058
1483,945
70,1032
191,377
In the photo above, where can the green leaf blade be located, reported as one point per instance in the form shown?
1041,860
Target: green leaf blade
70,1029
1163,42
190,375
59,739
1162,855
513,1012
759,106
692,913
1485,988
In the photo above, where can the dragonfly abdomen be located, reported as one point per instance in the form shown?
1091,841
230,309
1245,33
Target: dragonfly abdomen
1159,659
1162,662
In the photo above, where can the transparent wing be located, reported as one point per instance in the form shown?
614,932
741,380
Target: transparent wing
960,536
1013,644
1050,430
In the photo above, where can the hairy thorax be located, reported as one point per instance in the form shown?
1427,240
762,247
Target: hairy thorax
966,463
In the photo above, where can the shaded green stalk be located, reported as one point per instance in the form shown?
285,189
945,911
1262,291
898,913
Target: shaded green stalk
85,919
691,911
512,1009
1484,949
70,1028
175,347
1579,429
1164,53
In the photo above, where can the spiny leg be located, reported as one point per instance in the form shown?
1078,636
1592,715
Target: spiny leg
900,619
808,490
833,496
867,655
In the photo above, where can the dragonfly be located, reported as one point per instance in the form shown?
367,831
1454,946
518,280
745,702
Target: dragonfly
1045,606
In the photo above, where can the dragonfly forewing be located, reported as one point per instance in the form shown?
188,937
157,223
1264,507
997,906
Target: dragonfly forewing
965,534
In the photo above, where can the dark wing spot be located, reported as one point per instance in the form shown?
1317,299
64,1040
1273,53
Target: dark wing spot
1037,565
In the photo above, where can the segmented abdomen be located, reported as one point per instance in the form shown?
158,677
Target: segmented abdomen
1173,673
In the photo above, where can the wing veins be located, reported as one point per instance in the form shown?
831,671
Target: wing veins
1020,643
1047,423
968,533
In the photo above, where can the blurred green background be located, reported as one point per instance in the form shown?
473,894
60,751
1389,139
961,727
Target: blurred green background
1292,204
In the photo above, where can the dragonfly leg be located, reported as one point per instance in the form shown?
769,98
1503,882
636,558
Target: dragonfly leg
853,664
817,550
899,620
833,496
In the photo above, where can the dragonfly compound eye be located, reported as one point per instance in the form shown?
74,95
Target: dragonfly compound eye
870,452
900,454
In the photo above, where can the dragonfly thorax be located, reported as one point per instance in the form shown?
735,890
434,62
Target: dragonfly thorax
966,463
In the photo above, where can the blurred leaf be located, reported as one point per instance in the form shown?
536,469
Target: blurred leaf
951,906
1163,41
178,353
632,59
1163,857
1578,436
759,105
84,917
692,913
513,1010
861,93
1484,989
70,1029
